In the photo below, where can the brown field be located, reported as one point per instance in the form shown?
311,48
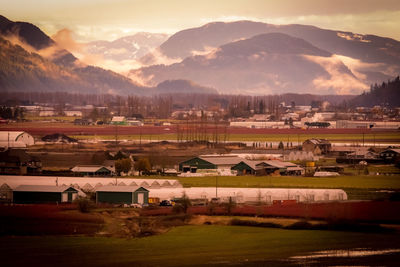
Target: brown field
49,128
47,220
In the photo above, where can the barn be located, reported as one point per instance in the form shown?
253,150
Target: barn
25,194
317,146
209,162
122,195
15,139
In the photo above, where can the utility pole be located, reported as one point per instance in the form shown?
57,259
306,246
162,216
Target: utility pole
116,135
216,186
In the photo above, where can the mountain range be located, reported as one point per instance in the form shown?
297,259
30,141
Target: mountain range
31,61
356,60
242,57
128,47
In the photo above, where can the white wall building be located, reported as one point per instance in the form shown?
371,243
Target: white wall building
15,139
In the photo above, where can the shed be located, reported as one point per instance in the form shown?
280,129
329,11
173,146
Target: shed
44,194
122,195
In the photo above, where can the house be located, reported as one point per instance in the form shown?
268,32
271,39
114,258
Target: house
209,162
17,161
317,146
390,155
92,170
122,195
267,167
118,120
25,194
15,139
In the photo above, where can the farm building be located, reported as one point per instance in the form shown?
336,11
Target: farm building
17,161
44,194
249,195
267,167
390,155
122,195
209,162
92,170
14,139
317,146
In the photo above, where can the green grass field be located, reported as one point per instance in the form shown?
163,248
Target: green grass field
190,245
362,182
49,118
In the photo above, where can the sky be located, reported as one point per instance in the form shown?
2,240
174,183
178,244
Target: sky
110,19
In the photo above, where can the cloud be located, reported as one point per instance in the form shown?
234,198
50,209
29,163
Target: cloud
206,50
339,81
64,39
140,78
15,40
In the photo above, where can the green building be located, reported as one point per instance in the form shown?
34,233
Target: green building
209,162
122,195
25,194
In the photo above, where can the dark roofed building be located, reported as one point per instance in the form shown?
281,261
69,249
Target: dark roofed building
390,155
209,162
17,161
59,138
92,170
25,194
122,195
267,167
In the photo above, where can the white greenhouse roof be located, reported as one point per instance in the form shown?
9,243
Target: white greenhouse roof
112,188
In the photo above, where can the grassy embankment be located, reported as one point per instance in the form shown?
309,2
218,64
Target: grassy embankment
195,245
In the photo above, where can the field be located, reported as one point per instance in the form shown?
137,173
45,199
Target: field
361,182
160,133
203,245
